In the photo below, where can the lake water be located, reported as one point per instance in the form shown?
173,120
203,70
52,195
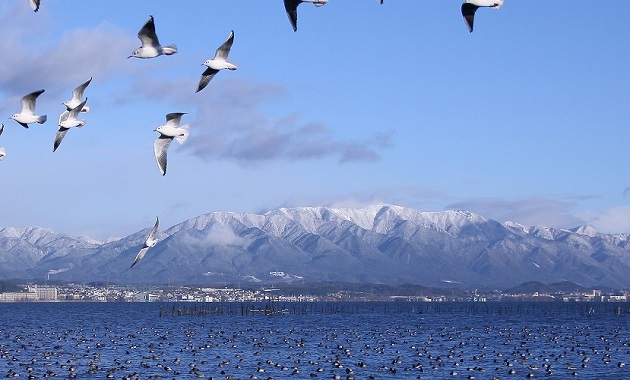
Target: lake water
315,340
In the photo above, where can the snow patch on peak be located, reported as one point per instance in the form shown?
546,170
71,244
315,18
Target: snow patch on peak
585,230
515,226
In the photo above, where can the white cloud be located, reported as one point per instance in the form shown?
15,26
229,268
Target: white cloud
612,220
217,235
76,56
229,122
529,211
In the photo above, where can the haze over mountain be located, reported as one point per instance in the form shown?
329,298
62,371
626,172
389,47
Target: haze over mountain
378,244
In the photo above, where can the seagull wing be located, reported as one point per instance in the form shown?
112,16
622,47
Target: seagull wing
74,113
291,7
1,129
28,102
206,77
147,34
34,4
61,133
153,231
174,118
63,117
468,11
160,147
139,256
77,94
224,49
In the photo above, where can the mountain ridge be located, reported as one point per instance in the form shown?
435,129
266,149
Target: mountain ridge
378,244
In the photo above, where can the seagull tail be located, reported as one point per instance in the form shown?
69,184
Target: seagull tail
42,119
185,131
498,4
169,49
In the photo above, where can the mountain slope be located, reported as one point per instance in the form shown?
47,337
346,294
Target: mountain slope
378,244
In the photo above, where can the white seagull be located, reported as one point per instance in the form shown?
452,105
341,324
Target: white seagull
77,97
469,7
291,7
27,114
169,131
219,62
151,47
2,152
150,242
67,120
34,4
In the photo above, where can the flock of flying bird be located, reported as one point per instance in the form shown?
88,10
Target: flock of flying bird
171,130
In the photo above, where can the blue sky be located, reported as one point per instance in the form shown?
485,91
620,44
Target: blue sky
526,119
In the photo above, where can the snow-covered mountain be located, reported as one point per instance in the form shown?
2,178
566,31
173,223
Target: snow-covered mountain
377,244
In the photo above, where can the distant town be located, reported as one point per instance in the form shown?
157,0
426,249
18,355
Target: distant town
117,293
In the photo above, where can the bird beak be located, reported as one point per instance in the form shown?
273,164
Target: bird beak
130,56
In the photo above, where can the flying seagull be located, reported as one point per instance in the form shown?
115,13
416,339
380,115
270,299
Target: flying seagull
150,242
77,97
34,4
27,114
151,47
67,120
291,7
169,131
469,7
2,152
217,63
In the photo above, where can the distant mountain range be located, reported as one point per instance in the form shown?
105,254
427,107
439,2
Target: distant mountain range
384,244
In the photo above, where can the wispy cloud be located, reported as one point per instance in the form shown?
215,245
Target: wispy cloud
217,235
77,55
612,220
60,63
231,123
235,127
528,211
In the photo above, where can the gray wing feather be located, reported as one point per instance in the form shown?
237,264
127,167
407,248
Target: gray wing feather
224,50
147,34
78,92
174,118
34,4
154,230
206,77
160,147
61,133
139,256
73,113
28,101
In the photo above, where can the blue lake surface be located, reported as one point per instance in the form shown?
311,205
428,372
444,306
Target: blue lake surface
315,340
